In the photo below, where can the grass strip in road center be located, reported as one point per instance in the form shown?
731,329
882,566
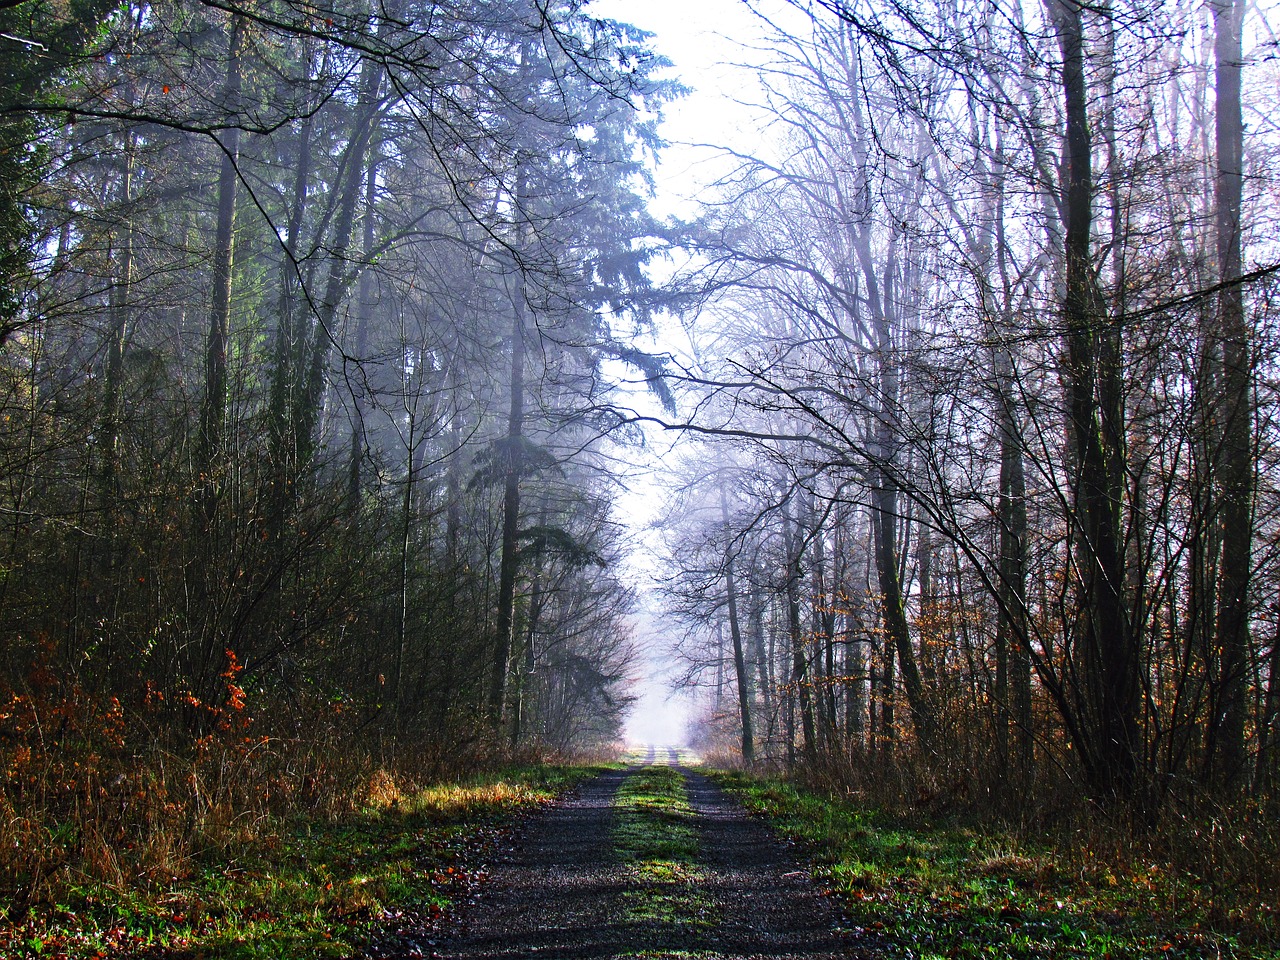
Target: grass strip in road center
656,839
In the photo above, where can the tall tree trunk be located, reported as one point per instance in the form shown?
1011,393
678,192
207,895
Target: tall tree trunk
823,628
898,631
717,658
407,526
364,296
1014,682
317,347
799,660
1225,747
1267,765
1109,660
764,665
735,632
509,560
213,413
113,374
855,702
1013,505
884,496
524,711
286,353
886,430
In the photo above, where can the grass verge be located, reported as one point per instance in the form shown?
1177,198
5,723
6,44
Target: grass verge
657,841
308,888
935,891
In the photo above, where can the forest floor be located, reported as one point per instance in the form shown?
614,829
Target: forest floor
648,859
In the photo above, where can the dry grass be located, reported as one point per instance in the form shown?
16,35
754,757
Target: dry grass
94,791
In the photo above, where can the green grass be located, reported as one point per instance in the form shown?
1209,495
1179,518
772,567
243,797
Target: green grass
655,838
947,892
304,888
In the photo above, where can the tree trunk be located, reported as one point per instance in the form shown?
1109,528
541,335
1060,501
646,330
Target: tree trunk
453,472
884,497
764,671
823,628
1109,661
286,356
898,631
113,374
799,661
739,658
525,697
364,296
1225,747
509,561
1267,766
213,413
315,356
406,550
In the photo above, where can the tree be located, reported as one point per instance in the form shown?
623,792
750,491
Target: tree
40,44
1029,404
1225,748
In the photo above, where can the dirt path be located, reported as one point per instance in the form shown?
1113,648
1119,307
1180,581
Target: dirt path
563,892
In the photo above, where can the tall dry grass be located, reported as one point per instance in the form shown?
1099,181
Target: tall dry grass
137,790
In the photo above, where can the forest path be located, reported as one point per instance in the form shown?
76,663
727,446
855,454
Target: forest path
565,891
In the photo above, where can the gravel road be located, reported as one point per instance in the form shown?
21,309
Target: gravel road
561,891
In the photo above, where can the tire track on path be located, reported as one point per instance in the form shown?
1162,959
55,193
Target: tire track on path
564,893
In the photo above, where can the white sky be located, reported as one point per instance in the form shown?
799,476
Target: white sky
701,38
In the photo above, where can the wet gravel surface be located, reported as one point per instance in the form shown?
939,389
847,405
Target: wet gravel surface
561,892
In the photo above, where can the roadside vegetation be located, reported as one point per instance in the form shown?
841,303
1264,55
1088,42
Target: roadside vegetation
314,885
931,888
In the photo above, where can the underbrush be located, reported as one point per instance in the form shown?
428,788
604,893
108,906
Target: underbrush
301,886
206,827
943,889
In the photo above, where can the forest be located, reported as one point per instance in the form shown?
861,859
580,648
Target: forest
331,332
987,384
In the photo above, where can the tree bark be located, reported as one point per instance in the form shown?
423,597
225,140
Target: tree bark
509,561
799,661
364,297
113,373
1267,766
739,658
898,631
1014,675
1108,659
1225,745
315,356
764,665
213,413
286,354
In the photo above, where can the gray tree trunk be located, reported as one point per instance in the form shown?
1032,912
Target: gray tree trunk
213,412
508,562
739,657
